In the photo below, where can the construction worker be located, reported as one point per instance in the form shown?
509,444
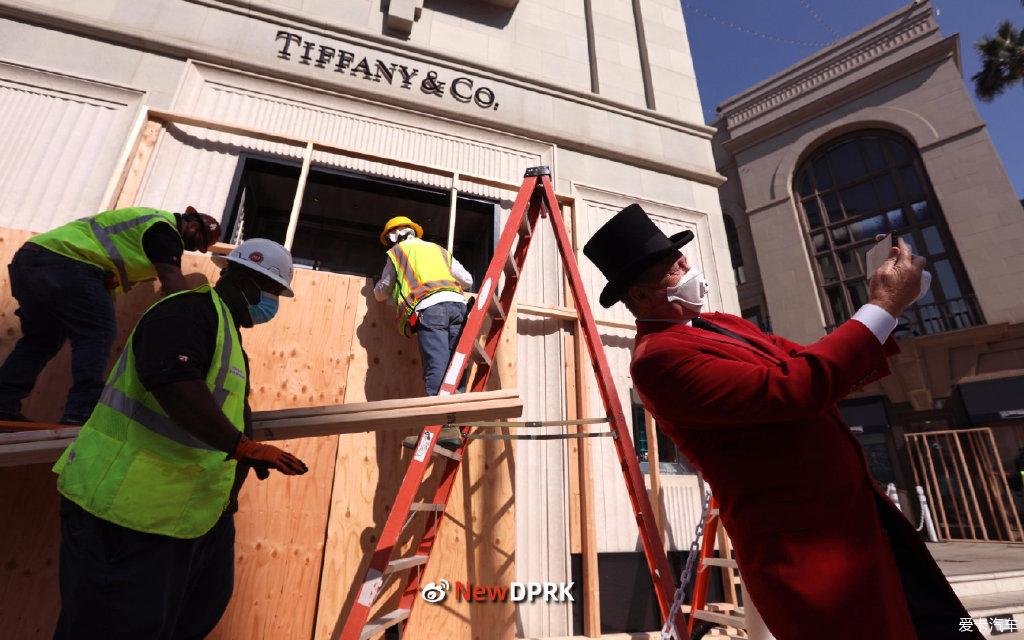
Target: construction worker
822,551
150,484
64,281
426,284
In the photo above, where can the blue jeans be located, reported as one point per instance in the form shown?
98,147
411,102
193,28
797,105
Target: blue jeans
59,298
117,583
438,332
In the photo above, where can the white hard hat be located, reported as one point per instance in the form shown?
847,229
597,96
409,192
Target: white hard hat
265,257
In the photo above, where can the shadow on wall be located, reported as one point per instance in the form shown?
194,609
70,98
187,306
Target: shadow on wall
485,13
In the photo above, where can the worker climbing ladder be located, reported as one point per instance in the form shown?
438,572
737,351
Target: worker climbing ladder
536,199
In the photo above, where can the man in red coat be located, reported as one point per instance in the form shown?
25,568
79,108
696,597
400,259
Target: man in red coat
823,552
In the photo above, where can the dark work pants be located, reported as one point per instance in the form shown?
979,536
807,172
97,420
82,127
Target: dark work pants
59,298
438,333
117,583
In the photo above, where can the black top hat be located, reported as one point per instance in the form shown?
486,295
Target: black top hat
626,246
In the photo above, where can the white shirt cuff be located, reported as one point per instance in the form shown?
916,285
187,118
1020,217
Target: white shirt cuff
878,321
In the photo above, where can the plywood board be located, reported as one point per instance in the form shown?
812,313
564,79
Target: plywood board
383,416
476,543
301,358
282,521
28,552
384,366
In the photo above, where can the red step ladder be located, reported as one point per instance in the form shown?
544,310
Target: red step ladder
536,199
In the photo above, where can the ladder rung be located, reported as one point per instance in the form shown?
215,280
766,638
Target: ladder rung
530,424
426,506
511,270
736,622
481,353
497,311
383,623
445,453
404,563
544,436
524,227
728,563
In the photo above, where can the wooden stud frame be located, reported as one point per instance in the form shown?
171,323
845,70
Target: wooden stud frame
150,115
940,458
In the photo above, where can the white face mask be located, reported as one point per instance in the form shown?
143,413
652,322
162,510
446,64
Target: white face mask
400,234
691,291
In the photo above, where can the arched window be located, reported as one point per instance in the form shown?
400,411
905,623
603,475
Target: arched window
872,182
733,239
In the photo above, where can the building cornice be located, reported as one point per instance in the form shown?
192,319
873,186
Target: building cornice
862,49
184,49
804,107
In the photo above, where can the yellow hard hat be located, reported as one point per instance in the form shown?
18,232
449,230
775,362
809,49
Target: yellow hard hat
399,221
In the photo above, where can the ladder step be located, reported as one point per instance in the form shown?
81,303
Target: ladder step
524,227
713,512
445,453
497,312
728,563
404,563
426,506
736,622
511,270
383,623
481,353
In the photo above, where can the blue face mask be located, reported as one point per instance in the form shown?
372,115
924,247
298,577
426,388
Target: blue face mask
265,309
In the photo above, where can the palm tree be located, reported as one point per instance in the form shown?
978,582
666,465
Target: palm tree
1002,61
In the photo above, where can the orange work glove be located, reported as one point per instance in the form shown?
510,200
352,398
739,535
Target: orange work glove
263,457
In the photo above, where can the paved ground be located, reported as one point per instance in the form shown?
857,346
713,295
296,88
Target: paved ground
964,558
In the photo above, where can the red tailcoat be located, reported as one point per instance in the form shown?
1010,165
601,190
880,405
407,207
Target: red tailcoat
816,540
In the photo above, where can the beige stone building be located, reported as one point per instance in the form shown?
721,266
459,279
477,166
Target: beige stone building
878,134
314,121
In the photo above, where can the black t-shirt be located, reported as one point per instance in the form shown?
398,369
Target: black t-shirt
175,342
162,244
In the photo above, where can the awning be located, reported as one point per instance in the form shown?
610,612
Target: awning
989,398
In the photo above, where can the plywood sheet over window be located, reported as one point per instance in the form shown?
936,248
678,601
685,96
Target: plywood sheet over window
61,139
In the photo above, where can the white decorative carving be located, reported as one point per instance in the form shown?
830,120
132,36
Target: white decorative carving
844,61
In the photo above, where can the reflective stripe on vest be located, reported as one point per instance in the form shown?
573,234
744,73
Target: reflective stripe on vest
134,466
409,291
110,241
104,235
156,422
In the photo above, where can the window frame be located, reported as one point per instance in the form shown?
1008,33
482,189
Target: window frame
235,194
818,164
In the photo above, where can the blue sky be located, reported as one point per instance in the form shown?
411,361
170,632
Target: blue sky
728,59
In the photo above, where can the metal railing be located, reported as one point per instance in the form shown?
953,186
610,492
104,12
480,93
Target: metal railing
939,317
935,317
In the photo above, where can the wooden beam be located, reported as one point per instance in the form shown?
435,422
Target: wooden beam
136,167
45,445
386,415
270,136
654,465
568,313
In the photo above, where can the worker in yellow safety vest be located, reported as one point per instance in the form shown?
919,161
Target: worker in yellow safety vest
64,280
149,486
426,285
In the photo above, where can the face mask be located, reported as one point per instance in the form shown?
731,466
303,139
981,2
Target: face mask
402,234
265,309
691,291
